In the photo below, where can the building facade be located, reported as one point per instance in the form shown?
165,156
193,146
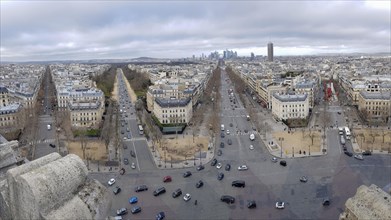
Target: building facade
172,111
375,106
288,106
12,117
4,97
85,114
270,52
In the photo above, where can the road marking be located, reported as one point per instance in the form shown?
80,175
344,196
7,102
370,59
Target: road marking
135,152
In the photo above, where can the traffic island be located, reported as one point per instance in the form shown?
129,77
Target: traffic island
296,144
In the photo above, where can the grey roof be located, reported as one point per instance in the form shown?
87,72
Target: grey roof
83,105
304,85
290,97
376,95
9,109
3,89
165,103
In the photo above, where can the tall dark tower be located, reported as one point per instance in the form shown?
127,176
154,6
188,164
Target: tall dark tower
270,51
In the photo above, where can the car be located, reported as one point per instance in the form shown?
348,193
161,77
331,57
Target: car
227,132
303,179
176,193
222,135
283,163
187,197
246,131
125,147
214,162
243,167
338,113
219,152
231,125
186,174
274,160
132,153
122,211
326,202
52,145
348,153
136,209
229,141
167,179
280,205
160,216
200,167
221,144
126,161
199,184
111,182
141,188
220,176
252,137
251,204
251,147
116,190
133,199
238,183
133,166
366,153
358,157
227,199
218,166
159,191
228,167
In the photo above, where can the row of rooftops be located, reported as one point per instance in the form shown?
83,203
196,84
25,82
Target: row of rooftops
381,95
286,97
10,109
84,105
170,103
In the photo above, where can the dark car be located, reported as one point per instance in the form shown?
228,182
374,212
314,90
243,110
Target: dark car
227,199
141,188
125,147
126,161
136,209
350,154
303,179
222,135
367,153
199,184
251,204
167,179
231,125
122,211
132,153
159,191
229,142
214,162
326,202
283,163
200,167
160,216
116,190
221,144
52,145
219,152
227,167
220,176
187,174
176,193
238,183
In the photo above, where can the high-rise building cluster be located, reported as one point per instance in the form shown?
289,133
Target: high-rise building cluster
229,54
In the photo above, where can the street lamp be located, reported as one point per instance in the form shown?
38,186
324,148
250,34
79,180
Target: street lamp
309,150
281,139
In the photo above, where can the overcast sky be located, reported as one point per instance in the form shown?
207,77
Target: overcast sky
61,30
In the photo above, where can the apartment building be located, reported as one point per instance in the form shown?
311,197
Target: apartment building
172,111
12,117
4,97
306,88
290,106
85,94
85,114
375,106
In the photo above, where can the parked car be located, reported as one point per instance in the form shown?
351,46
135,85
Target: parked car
126,161
303,179
136,209
141,188
367,153
239,183
116,190
242,167
227,199
280,205
111,182
214,162
283,163
229,141
228,167
187,197
159,191
274,160
133,199
199,184
221,144
220,176
348,153
200,167
122,211
160,216
251,204
187,174
176,193
167,179
218,166
358,157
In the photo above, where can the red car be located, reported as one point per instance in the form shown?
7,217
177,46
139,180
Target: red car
167,179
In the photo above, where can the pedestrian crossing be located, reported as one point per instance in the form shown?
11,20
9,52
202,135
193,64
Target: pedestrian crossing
42,141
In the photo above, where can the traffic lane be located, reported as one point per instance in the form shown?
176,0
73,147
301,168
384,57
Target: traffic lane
143,155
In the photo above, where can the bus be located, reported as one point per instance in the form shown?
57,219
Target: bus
140,130
347,133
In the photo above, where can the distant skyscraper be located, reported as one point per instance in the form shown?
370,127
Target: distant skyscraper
270,51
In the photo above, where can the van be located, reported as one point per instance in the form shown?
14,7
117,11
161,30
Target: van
238,183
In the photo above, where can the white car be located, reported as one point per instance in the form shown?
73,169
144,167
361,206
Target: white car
227,132
251,147
187,197
280,205
133,166
243,167
252,137
218,166
111,182
358,157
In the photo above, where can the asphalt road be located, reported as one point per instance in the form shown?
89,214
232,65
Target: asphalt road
335,176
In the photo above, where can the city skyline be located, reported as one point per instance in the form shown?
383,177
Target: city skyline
39,31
